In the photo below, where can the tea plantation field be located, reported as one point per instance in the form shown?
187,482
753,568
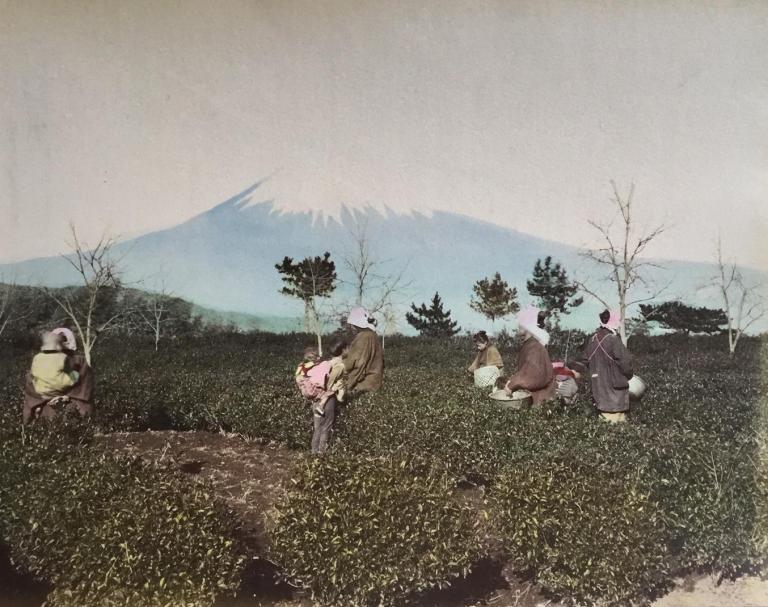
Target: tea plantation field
426,482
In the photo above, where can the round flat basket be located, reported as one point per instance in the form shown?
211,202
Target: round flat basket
637,388
485,377
517,400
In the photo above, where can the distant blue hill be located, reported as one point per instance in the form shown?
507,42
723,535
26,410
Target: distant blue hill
224,259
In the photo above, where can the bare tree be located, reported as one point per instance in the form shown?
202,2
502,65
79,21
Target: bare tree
155,312
376,288
85,307
742,303
390,324
620,255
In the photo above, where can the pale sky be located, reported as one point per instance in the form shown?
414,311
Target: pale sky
131,116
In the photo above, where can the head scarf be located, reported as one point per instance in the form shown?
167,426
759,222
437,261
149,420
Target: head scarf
70,343
613,322
528,319
358,317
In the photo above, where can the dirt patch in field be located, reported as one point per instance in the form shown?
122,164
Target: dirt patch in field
704,591
249,476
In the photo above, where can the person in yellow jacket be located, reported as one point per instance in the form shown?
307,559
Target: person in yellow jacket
50,372
487,354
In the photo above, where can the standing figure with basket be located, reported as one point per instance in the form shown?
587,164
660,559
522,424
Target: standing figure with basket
609,364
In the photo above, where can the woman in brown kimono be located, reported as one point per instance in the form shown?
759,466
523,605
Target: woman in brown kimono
609,364
534,367
363,372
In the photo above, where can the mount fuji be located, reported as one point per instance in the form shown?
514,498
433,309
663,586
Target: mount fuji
224,259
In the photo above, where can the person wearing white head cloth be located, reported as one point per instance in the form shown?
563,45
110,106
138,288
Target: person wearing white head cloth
363,372
364,361
534,367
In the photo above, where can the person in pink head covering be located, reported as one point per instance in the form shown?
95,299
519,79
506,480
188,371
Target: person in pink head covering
613,322
79,397
609,365
534,367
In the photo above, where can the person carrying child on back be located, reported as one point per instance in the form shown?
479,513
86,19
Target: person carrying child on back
50,374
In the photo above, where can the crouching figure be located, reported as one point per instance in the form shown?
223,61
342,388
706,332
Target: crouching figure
59,378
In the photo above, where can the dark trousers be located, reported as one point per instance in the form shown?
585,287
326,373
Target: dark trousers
323,426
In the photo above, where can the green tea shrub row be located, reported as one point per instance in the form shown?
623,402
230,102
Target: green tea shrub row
373,531
689,455
458,429
244,383
700,487
585,531
709,492
112,531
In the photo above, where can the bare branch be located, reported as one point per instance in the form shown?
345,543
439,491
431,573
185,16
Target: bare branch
588,291
620,252
375,288
743,307
97,271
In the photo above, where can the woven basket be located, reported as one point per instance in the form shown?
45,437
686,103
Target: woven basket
485,377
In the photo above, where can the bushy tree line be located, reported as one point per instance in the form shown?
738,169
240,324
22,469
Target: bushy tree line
493,297
117,311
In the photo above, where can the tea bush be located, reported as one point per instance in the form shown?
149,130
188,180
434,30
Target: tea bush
457,429
589,533
105,530
373,531
707,489
760,533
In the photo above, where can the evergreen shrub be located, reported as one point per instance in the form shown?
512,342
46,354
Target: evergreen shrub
373,531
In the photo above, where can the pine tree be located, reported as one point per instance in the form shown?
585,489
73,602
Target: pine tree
679,317
432,321
494,298
307,280
553,289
